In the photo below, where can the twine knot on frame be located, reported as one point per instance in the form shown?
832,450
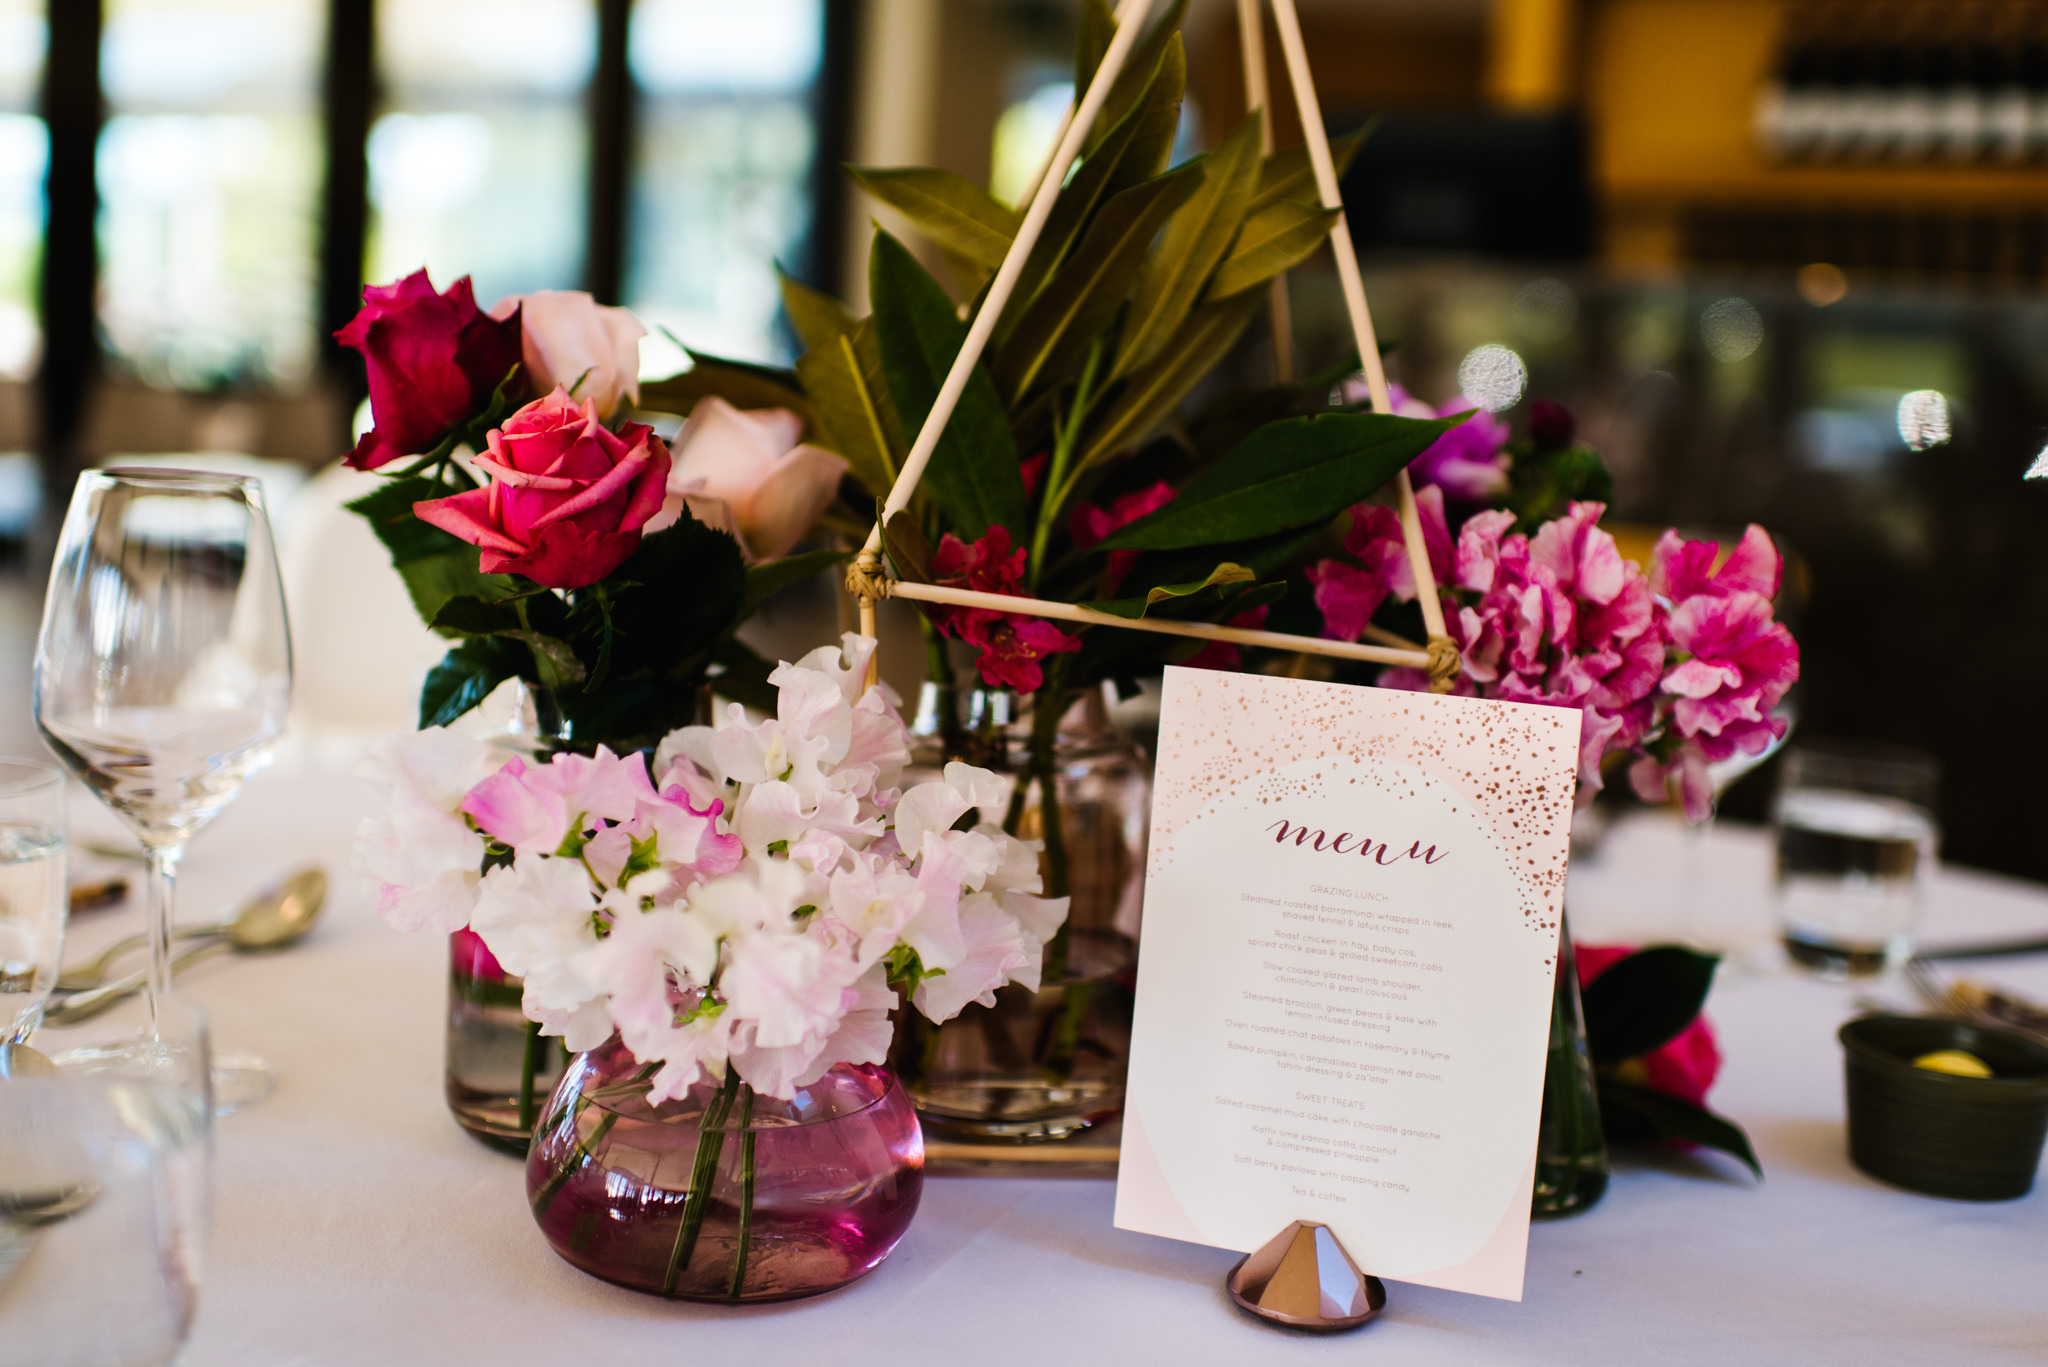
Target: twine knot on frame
1444,664
865,579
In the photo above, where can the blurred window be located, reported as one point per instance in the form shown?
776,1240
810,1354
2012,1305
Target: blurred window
722,168
209,180
24,153
480,158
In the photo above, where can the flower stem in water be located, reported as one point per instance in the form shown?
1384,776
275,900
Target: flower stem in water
740,1249
710,1141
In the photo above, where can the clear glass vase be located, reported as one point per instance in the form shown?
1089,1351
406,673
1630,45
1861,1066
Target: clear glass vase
723,1194
1571,1148
1048,1064
500,1067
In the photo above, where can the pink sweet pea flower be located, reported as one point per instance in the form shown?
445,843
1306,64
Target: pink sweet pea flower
533,809
1011,645
1684,1066
566,499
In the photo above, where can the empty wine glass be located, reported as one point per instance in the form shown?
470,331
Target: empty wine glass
33,900
163,673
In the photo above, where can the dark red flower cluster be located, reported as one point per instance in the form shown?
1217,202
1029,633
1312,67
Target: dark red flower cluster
1011,646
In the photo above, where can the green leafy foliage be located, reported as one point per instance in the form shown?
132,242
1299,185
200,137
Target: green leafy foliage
1156,49
1190,248
1274,239
1642,1002
1211,584
1288,175
1543,483
844,376
950,209
1632,1111
466,676
740,383
1285,475
1156,390
815,315
973,475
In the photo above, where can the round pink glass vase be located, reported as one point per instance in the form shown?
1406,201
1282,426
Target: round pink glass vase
724,1194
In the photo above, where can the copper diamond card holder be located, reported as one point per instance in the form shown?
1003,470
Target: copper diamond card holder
1304,1279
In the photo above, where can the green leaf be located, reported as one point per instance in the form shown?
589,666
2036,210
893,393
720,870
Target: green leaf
1134,151
974,475
1288,174
388,510
466,676
949,209
909,551
1082,298
1631,1110
815,315
1287,474
1156,389
555,661
435,579
1097,25
1153,51
743,677
739,383
1221,577
765,581
856,418
1274,239
1642,1002
1194,241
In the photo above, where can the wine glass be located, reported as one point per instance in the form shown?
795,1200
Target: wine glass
33,898
163,674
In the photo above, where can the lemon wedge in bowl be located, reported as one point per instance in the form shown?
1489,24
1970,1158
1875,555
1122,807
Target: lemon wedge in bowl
1955,1062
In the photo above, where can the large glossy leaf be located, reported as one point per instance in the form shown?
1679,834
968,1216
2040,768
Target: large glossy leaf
1082,299
856,416
466,676
1287,474
1274,239
1152,393
950,209
737,382
974,473
433,580
909,551
767,580
1629,1110
1130,84
1217,579
1133,151
555,660
1642,1002
1195,240
1288,175
815,315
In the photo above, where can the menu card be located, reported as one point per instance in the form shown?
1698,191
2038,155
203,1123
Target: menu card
1344,982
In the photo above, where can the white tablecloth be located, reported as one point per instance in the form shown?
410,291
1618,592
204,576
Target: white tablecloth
356,1224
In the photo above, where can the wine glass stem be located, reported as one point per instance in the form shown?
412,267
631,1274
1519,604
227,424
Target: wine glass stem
163,874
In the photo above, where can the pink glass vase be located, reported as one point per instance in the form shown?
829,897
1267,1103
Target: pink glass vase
723,1194
500,1067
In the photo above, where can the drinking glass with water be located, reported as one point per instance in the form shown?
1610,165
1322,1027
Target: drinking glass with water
1856,837
33,898
104,1193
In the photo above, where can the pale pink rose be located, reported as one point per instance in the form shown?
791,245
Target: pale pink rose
755,463
568,337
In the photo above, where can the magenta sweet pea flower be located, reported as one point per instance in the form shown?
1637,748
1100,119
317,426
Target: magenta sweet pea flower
566,498
1089,525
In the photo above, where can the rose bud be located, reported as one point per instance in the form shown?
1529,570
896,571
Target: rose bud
574,343
433,360
773,487
566,499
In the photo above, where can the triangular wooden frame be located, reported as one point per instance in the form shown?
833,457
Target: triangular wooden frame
869,579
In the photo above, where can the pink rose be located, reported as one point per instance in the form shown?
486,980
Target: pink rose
572,342
566,499
772,485
1684,1066
433,362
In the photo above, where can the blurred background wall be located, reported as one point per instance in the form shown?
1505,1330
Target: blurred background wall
1743,240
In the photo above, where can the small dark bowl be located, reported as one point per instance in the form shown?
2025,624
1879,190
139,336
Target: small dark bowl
1968,1138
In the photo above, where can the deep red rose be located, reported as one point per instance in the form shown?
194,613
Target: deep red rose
1685,1066
434,360
566,498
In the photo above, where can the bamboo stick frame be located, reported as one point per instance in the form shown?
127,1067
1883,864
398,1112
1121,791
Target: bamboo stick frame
869,579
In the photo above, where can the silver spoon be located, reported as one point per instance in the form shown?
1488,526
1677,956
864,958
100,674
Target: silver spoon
267,923
256,916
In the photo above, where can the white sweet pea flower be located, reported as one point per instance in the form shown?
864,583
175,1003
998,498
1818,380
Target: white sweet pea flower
996,952
420,849
535,917
936,806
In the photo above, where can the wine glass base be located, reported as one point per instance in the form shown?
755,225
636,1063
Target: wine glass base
240,1078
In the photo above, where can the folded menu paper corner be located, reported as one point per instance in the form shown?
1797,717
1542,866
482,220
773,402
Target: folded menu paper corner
1351,923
